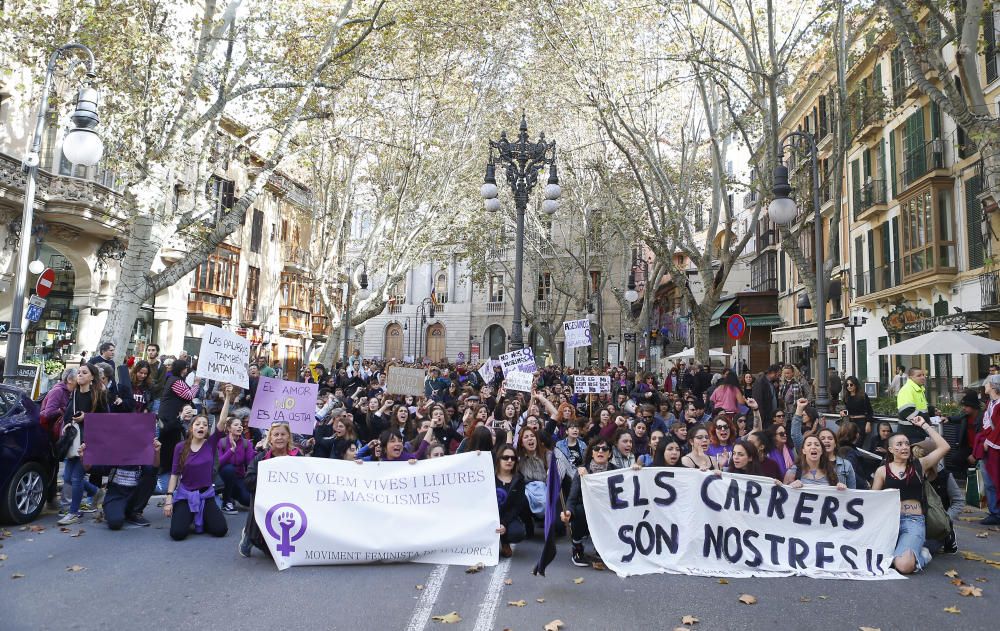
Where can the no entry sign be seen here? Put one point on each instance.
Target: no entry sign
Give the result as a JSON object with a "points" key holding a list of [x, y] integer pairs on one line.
{"points": [[45, 281], [735, 326]]}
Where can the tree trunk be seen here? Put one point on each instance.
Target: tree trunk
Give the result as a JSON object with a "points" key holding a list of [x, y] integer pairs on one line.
{"points": [[700, 326]]}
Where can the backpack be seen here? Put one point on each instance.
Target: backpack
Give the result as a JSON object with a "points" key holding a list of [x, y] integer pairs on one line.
{"points": [[936, 520]]}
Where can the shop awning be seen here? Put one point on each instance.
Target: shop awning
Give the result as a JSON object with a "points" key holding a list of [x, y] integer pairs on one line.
{"points": [[805, 334], [721, 309], [764, 320]]}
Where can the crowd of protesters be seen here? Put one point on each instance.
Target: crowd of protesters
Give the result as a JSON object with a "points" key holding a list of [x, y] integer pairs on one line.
{"points": [[762, 424]]}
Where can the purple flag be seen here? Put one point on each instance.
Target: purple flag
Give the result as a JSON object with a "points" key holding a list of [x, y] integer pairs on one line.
{"points": [[118, 439], [551, 516]]}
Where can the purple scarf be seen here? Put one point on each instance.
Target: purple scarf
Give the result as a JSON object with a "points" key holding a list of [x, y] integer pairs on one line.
{"points": [[196, 502]]}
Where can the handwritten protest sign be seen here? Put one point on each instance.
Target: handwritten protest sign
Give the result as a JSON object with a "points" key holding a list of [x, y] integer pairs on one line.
{"points": [[405, 381], [577, 333], [486, 370], [224, 357], [319, 511], [119, 439], [522, 359], [289, 401], [684, 521], [518, 380], [592, 384]]}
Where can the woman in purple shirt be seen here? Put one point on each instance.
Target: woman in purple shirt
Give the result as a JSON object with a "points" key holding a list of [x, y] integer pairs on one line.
{"points": [[190, 484]]}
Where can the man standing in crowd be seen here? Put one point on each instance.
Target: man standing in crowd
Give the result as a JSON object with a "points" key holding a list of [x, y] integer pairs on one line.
{"points": [[793, 387], [897, 382], [766, 394], [913, 393]]}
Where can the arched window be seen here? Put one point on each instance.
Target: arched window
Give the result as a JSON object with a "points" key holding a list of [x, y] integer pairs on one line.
{"points": [[441, 287]]}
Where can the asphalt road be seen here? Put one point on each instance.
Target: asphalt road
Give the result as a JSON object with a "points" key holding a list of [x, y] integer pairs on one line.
{"points": [[141, 579]]}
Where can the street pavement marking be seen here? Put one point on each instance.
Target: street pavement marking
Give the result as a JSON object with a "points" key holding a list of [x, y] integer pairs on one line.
{"points": [[488, 610], [422, 612]]}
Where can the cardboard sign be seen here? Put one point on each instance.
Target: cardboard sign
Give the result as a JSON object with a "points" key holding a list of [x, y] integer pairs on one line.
{"points": [[592, 384], [518, 380], [27, 379], [405, 381], [289, 401], [119, 439], [224, 357], [486, 370], [522, 360], [577, 333]]}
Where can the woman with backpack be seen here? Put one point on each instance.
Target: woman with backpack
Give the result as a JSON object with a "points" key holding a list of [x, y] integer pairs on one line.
{"points": [[89, 396], [906, 473]]}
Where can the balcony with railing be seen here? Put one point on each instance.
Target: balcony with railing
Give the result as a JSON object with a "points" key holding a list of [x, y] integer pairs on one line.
{"points": [[293, 321], [542, 306], [395, 303], [494, 306], [250, 314], [295, 257], [881, 278], [871, 196], [922, 160], [989, 290], [319, 325], [750, 198], [498, 254], [869, 116], [209, 306]]}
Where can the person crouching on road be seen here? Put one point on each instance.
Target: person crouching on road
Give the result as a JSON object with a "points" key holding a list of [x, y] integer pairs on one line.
{"points": [[512, 501], [190, 485], [277, 444], [596, 460], [129, 490], [235, 455]]}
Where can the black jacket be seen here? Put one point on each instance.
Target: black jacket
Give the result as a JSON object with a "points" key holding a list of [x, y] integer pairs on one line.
{"points": [[574, 502], [766, 397], [517, 502]]}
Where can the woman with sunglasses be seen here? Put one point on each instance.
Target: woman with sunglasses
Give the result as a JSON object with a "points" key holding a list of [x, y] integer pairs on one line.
{"points": [[721, 438], [278, 445], [858, 405], [780, 452], [513, 504], [699, 458], [596, 460]]}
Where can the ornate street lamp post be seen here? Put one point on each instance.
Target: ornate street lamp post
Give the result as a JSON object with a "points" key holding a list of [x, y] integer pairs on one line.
{"points": [[522, 160]]}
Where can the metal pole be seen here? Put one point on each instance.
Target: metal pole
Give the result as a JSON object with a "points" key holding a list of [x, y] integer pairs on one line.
{"points": [[347, 314], [854, 355], [521, 203], [15, 337], [822, 391]]}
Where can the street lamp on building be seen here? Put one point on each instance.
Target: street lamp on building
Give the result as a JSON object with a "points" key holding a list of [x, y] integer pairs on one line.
{"points": [[632, 296], [782, 210], [363, 294], [83, 146], [424, 310], [522, 160]]}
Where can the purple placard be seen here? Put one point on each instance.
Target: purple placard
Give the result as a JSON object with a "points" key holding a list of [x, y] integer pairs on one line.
{"points": [[118, 439], [289, 401]]}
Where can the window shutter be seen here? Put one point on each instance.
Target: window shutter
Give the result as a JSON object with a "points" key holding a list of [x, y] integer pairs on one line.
{"points": [[973, 187], [992, 52]]}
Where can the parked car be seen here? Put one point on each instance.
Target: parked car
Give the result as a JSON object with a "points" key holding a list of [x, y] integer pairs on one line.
{"points": [[26, 461]]}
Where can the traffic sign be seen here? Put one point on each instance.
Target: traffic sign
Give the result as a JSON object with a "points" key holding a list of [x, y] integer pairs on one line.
{"points": [[45, 281], [37, 301], [4, 327], [735, 326], [34, 313]]}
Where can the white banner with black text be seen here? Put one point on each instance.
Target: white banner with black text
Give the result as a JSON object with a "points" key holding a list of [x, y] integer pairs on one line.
{"points": [[316, 511], [684, 521]]}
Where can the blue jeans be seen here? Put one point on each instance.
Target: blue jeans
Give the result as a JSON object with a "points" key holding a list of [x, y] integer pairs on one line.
{"points": [[235, 488], [76, 474], [912, 535], [992, 503]]}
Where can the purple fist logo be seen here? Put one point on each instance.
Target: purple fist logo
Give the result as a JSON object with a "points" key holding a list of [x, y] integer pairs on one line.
{"points": [[287, 517]]}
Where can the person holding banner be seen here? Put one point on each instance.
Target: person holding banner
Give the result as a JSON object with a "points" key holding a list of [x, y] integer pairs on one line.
{"points": [[191, 489], [596, 460], [906, 473], [129, 490], [392, 447], [511, 500], [698, 458], [667, 453], [815, 467], [235, 455], [745, 459], [279, 441], [845, 470]]}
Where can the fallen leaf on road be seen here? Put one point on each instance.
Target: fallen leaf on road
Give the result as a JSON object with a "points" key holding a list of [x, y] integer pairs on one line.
{"points": [[982, 535], [578, 580], [723, 581], [78, 533], [555, 625], [869, 629], [418, 587], [805, 599], [952, 609], [478, 567], [747, 599], [823, 597], [972, 556], [64, 529], [517, 603], [37, 528], [597, 565], [539, 600], [75, 568], [508, 581], [979, 579], [3, 557], [957, 581], [4, 533], [951, 573], [23, 528], [689, 620], [968, 518], [448, 618], [17, 575], [969, 590]]}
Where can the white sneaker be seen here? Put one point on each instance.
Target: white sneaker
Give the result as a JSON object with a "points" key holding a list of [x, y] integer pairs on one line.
{"points": [[68, 519], [925, 556]]}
